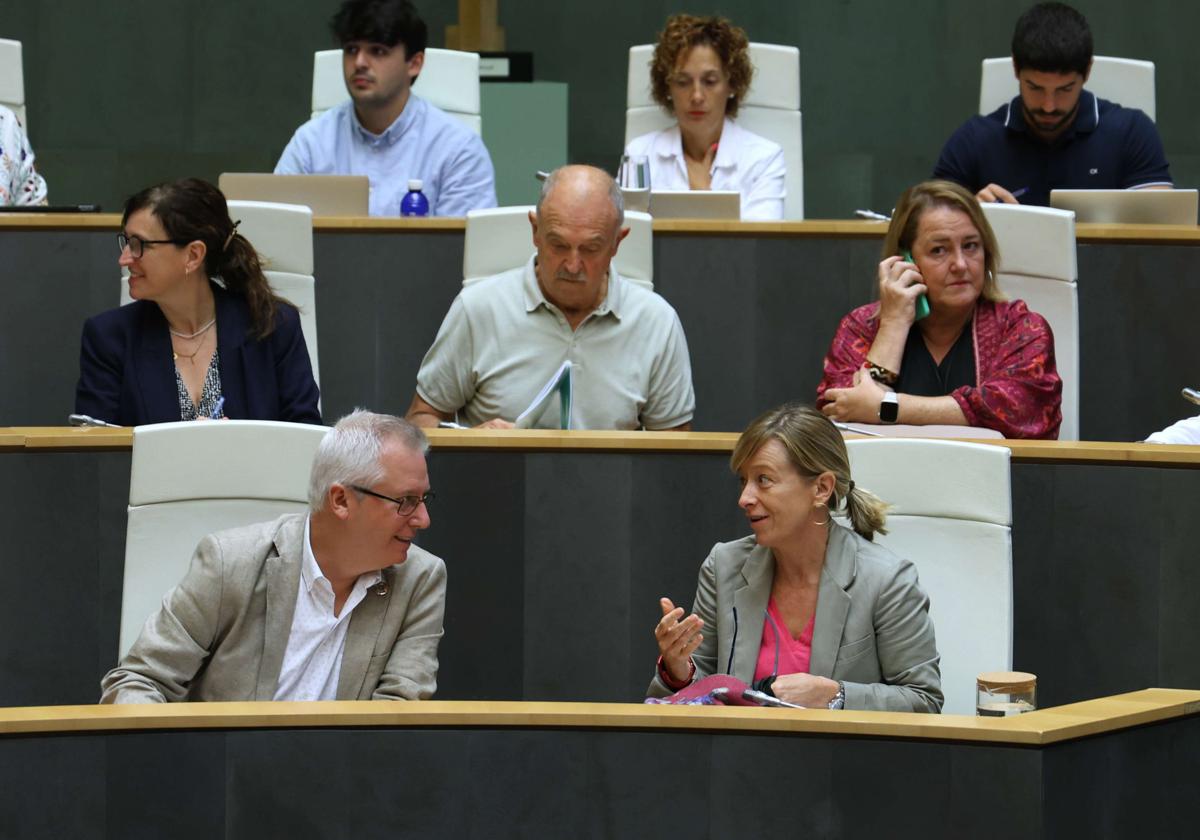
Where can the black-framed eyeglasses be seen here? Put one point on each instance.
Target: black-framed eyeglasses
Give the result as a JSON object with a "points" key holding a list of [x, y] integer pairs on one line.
{"points": [[405, 505], [137, 245]]}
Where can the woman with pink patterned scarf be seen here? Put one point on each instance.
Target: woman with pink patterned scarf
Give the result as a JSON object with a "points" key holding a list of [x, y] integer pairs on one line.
{"points": [[975, 359]]}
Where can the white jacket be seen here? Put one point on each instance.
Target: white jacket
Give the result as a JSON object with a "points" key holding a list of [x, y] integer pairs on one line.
{"points": [[745, 162]]}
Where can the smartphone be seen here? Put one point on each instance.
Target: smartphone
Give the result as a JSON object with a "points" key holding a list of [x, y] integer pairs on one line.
{"points": [[922, 301], [1192, 395]]}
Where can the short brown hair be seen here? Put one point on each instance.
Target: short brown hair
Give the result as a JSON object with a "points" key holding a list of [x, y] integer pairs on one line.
{"points": [[682, 33], [913, 203], [814, 445]]}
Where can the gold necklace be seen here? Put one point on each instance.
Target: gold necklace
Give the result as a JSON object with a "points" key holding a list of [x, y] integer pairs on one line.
{"points": [[176, 355]]}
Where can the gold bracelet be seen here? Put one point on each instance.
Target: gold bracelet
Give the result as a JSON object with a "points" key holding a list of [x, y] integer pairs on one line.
{"points": [[881, 374]]}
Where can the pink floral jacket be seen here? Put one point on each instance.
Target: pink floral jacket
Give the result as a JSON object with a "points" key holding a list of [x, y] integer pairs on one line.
{"points": [[1017, 389]]}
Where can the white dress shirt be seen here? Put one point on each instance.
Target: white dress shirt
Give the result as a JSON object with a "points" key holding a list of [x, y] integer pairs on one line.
{"points": [[312, 661], [745, 162]]}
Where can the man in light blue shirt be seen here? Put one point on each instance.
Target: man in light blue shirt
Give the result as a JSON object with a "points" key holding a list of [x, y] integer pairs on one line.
{"points": [[385, 131]]}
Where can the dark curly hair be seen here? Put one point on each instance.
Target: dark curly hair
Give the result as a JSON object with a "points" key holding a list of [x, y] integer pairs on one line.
{"points": [[682, 33], [191, 209]]}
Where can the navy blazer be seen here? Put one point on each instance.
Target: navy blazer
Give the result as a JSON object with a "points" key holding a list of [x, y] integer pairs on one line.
{"points": [[127, 376]]}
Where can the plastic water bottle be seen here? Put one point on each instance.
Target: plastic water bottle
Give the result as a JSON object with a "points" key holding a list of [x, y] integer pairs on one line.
{"points": [[414, 202]]}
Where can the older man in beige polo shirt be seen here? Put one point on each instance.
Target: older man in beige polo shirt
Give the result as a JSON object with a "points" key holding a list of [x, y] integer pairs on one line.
{"points": [[504, 337]]}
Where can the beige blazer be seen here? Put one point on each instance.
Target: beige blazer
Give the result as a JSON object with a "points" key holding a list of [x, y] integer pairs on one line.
{"points": [[872, 629], [222, 632]]}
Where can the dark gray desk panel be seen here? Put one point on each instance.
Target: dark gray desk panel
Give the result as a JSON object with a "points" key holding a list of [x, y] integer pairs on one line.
{"points": [[1105, 577], [759, 313], [592, 784], [556, 562], [53, 281], [380, 301], [62, 555], [1139, 328]]}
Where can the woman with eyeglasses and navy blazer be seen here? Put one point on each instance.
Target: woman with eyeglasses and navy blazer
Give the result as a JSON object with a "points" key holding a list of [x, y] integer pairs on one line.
{"points": [[205, 336]]}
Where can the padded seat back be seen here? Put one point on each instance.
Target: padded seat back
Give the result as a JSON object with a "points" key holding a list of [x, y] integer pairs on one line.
{"points": [[952, 517], [449, 79], [499, 239], [188, 480], [1126, 81], [12, 80], [1038, 265]]}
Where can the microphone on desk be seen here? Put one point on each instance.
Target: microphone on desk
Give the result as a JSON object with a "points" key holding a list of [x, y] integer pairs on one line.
{"points": [[85, 420]]}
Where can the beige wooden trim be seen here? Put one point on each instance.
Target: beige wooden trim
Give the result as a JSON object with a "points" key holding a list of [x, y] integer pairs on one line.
{"points": [[835, 228], [55, 438], [60, 221], [1041, 728], [386, 224], [1151, 234]]}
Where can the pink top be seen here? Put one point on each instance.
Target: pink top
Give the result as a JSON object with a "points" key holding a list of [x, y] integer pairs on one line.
{"points": [[794, 654]]}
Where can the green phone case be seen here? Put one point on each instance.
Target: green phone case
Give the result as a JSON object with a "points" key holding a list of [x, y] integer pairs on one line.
{"points": [[922, 301]]}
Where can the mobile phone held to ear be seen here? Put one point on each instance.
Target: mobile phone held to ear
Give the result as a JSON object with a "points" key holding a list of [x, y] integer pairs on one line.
{"points": [[922, 301]]}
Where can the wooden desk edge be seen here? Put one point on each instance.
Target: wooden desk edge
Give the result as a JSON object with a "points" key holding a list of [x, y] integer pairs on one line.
{"points": [[842, 228], [1042, 728], [68, 439]]}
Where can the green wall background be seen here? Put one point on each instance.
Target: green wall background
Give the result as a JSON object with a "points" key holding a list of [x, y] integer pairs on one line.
{"points": [[129, 92]]}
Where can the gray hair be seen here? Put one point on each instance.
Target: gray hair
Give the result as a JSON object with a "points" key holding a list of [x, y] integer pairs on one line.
{"points": [[350, 452], [614, 192]]}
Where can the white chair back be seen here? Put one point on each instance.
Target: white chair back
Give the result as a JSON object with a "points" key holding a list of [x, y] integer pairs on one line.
{"points": [[952, 517], [771, 109], [1126, 81], [188, 480], [1038, 266], [449, 79], [12, 80], [282, 235], [499, 239]]}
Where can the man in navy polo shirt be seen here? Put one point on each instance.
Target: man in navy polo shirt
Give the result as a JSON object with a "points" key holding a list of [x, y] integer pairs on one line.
{"points": [[1055, 134]]}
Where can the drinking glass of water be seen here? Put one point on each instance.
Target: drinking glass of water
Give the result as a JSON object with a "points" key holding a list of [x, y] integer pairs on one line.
{"points": [[633, 177]]}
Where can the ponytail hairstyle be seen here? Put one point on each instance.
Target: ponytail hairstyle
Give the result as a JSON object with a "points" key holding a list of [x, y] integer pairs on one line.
{"points": [[194, 210], [815, 446]]}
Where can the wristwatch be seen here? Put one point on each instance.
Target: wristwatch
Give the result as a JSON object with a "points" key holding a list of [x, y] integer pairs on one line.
{"points": [[889, 408], [839, 699]]}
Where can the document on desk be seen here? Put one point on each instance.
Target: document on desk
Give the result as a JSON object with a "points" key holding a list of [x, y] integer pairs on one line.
{"points": [[559, 384]]}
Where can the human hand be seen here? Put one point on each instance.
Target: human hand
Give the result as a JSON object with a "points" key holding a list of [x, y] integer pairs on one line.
{"points": [[496, 423], [677, 638], [995, 194], [805, 690], [857, 404], [900, 284]]}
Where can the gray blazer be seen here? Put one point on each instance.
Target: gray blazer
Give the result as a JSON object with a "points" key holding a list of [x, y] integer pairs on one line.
{"points": [[222, 632], [872, 629]]}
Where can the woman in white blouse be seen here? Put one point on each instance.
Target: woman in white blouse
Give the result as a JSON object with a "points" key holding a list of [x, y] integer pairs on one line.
{"points": [[699, 74]]}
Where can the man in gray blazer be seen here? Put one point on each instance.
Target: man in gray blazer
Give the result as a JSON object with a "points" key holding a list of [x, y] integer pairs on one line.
{"points": [[334, 604]]}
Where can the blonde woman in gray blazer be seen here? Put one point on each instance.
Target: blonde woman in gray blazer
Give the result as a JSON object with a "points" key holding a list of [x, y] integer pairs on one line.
{"points": [[872, 641]]}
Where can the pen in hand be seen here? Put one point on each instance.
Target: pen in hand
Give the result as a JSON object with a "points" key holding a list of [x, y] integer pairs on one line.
{"points": [[217, 409]]}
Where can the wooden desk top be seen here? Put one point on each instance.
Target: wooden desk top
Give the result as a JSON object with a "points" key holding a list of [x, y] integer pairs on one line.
{"points": [[1036, 729], [68, 439], [827, 228]]}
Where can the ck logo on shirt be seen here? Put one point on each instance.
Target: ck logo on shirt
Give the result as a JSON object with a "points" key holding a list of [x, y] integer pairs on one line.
{"points": [[1093, 171]]}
